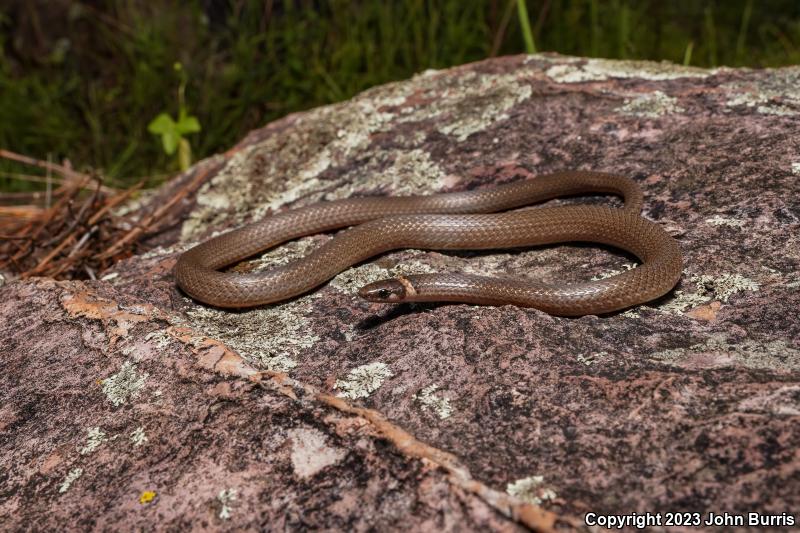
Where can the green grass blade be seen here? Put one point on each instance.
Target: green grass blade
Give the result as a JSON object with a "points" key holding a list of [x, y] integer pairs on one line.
{"points": [[525, 26]]}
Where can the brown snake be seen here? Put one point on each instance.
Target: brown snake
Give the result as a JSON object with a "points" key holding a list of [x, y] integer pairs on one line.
{"points": [[441, 222]]}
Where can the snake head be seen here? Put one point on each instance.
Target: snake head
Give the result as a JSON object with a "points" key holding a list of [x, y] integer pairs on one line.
{"points": [[385, 291]]}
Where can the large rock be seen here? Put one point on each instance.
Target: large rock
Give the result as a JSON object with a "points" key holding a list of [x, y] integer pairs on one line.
{"points": [[125, 402]]}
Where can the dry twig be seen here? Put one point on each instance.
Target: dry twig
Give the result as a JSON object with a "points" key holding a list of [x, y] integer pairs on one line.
{"points": [[77, 234]]}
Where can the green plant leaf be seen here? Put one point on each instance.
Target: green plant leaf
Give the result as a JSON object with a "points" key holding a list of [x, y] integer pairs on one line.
{"points": [[188, 124], [170, 141], [161, 124], [164, 125], [525, 26]]}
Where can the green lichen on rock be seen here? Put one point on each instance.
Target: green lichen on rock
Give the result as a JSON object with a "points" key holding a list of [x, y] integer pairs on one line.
{"points": [[480, 101], [354, 278], [270, 337], [682, 301], [72, 476], [94, 439], [439, 405], [125, 384], [782, 401], [652, 105], [286, 168], [725, 285], [603, 69], [226, 498], [614, 272], [407, 171], [161, 338], [719, 220], [592, 358], [363, 380], [138, 437], [720, 287], [531, 490], [776, 94], [718, 350]]}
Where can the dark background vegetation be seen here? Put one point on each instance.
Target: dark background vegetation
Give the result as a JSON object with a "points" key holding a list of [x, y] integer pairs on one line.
{"points": [[83, 79]]}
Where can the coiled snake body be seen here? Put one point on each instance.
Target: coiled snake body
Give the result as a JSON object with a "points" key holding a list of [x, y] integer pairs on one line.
{"points": [[447, 221]]}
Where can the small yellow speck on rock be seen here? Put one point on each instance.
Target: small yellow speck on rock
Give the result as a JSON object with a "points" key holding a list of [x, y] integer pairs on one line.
{"points": [[146, 497]]}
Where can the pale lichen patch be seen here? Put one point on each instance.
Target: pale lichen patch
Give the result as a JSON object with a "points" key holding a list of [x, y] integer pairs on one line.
{"points": [[124, 385], [349, 332], [162, 251], [796, 168], [363, 380], [71, 477], [213, 198], [531, 490], [725, 285], [488, 99], [270, 337], [278, 363], [776, 94], [591, 358], [783, 401], [778, 110], [603, 69], [161, 338], [615, 272], [311, 451], [406, 172], [411, 172], [353, 279], [719, 220], [683, 301], [426, 73], [95, 438], [429, 400], [412, 266], [744, 99], [226, 497], [286, 167], [569, 74], [652, 105], [138, 437], [550, 57], [717, 350], [285, 254], [709, 288]]}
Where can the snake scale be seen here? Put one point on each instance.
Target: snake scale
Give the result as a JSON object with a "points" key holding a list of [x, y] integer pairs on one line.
{"points": [[472, 220]]}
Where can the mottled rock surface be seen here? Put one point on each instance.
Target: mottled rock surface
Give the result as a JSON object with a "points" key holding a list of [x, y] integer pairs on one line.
{"points": [[125, 402]]}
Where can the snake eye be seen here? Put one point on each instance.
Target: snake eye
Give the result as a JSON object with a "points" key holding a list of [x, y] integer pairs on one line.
{"points": [[385, 291]]}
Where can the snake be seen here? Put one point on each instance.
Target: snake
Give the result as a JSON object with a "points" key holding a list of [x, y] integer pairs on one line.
{"points": [[490, 218]]}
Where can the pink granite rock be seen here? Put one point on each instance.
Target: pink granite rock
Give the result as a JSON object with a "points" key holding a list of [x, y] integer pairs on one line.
{"points": [[126, 404]]}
